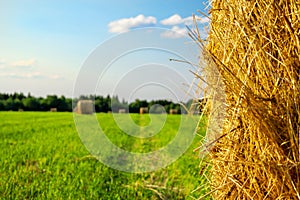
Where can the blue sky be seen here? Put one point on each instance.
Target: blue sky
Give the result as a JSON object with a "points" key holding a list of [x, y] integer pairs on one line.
{"points": [[44, 44]]}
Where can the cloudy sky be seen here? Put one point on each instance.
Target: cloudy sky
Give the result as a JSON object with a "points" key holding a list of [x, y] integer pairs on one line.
{"points": [[44, 44]]}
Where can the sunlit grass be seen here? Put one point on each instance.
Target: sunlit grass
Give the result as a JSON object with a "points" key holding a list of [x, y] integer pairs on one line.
{"points": [[42, 157]]}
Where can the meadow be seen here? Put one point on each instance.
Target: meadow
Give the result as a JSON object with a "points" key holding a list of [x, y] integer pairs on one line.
{"points": [[42, 157]]}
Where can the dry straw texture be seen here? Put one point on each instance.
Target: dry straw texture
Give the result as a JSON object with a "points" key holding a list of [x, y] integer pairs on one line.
{"points": [[255, 45], [85, 107]]}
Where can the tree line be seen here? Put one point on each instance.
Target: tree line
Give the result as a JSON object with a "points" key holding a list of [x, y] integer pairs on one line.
{"points": [[19, 101]]}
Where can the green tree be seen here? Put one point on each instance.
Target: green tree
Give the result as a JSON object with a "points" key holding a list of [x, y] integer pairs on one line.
{"points": [[31, 104], [9, 104]]}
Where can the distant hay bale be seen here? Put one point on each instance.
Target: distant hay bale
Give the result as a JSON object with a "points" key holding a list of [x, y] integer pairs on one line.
{"points": [[173, 111], [143, 110], [21, 110], [85, 107], [255, 45], [122, 110], [53, 109]]}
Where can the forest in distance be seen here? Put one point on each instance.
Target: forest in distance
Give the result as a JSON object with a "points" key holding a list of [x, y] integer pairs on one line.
{"points": [[21, 102]]}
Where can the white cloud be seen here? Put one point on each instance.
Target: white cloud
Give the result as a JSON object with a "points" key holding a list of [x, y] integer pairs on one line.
{"points": [[18, 64], [173, 20], [2, 64], [175, 32], [203, 20], [2, 61], [177, 19], [125, 24], [31, 75], [24, 63], [55, 76], [23, 69]]}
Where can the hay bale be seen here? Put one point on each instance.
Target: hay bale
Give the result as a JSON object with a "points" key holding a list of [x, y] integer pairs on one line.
{"points": [[144, 110], [122, 110], [21, 110], [85, 107], [255, 45], [53, 109], [173, 111]]}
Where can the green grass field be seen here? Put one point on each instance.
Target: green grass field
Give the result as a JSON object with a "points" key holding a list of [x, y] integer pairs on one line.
{"points": [[42, 157]]}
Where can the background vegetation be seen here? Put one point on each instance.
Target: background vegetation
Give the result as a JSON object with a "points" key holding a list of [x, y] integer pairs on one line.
{"points": [[17, 101]]}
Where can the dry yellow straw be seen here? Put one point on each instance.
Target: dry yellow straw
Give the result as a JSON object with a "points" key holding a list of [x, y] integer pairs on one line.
{"points": [[255, 45]]}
